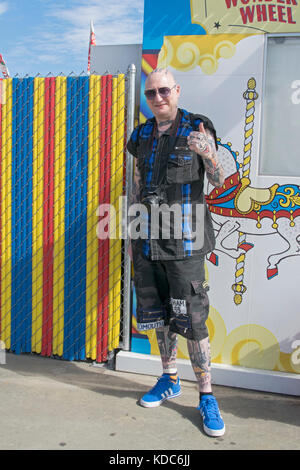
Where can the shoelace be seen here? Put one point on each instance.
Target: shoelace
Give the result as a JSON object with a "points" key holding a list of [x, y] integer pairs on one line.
{"points": [[159, 382], [210, 408]]}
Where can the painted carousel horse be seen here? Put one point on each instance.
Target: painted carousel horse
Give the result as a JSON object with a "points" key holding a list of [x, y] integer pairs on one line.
{"points": [[237, 207]]}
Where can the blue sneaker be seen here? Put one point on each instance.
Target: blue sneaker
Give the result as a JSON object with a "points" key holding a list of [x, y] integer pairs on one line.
{"points": [[213, 423], [164, 389]]}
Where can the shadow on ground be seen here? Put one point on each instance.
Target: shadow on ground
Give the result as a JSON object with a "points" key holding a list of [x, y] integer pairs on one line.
{"points": [[241, 403]]}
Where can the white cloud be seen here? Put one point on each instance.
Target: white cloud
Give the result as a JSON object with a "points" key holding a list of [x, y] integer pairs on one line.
{"points": [[3, 7], [62, 39], [115, 22]]}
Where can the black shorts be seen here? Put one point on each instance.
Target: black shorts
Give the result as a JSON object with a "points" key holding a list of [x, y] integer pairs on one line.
{"points": [[172, 292]]}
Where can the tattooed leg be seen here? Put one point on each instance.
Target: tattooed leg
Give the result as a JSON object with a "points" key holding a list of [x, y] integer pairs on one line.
{"points": [[167, 343], [199, 352]]}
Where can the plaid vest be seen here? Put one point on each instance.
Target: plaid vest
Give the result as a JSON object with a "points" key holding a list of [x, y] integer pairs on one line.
{"points": [[168, 164]]}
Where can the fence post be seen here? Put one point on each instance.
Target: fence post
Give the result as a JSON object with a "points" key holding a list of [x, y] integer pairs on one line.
{"points": [[129, 173]]}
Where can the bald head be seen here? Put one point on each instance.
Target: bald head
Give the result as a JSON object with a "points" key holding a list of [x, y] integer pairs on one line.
{"points": [[163, 72]]}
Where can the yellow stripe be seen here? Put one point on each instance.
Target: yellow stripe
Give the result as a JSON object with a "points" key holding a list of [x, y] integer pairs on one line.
{"points": [[248, 133], [112, 241], [37, 215], [146, 67], [6, 183], [59, 214], [118, 194], [92, 204]]}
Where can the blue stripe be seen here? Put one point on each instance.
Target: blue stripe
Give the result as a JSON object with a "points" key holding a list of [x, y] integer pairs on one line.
{"points": [[226, 193], [228, 205], [186, 222], [22, 146], [67, 352], [76, 217], [150, 164]]}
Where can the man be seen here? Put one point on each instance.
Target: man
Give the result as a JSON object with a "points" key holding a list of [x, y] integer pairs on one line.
{"points": [[173, 150]]}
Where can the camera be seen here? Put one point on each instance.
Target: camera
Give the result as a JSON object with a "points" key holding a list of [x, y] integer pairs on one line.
{"points": [[153, 196]]}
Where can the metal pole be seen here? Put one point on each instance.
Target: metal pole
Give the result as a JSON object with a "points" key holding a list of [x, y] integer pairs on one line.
{"points": [[129, 177]]}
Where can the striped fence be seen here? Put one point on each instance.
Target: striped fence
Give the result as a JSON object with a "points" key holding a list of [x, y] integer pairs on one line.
{"points": [[62, 143]]}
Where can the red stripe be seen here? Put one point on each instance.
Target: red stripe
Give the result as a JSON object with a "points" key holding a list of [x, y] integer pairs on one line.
{"points": [[51, 210], [107, 200], [226, 212], [215, 196], [48, 214], [104, 198], [151, 59], [101, 200]]}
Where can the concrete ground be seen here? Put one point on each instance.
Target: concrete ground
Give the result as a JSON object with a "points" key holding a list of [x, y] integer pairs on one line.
{"points": [[53, 404]]}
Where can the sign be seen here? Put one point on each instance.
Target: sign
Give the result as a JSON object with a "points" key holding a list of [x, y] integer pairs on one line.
{"points": [[246, 16]]}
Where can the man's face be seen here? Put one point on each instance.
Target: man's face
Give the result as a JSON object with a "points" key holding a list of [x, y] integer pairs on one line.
{"points": [[163, 108]]}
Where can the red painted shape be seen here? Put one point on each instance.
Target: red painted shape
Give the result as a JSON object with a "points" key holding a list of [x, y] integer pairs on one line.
{"points": [[48, 216], [246, 246], [214, 259], [272, 272], [151, 59]]}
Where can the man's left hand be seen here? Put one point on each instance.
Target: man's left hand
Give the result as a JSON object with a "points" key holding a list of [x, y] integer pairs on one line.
{"points": [[199, 142]]}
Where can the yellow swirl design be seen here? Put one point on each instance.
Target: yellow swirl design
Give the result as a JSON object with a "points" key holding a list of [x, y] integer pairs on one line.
{"points": [[251, 346], [187, 52], [188, 55]]}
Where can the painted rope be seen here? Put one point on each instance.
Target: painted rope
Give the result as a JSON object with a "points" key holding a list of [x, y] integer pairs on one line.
{"points": [[61, 155]]}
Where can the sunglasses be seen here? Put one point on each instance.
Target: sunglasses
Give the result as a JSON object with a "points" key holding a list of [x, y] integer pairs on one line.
{"points": [[164, 92]]}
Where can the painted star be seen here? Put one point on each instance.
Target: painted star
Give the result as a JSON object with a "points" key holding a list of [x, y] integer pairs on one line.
{"points": [[217, 25]]}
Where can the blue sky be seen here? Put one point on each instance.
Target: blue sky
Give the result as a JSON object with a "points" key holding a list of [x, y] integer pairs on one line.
{"points": [[52, 36]]}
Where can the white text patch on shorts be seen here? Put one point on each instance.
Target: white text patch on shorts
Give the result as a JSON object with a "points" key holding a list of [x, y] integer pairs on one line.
{"points": [[178, 306]]}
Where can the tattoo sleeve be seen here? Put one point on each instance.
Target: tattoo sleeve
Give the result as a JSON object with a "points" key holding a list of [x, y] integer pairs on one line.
{"points": [[214, 169], [167, 343], [199, 352]]}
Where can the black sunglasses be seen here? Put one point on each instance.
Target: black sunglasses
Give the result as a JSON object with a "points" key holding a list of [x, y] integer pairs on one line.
{"points": [[164, 92]]}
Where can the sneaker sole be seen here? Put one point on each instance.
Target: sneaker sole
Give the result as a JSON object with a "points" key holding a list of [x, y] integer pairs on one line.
{"points": [[154, 404], [214, 432]]}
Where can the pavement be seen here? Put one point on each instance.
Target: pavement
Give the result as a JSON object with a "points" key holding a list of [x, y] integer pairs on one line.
{"points": [[51, 404]]}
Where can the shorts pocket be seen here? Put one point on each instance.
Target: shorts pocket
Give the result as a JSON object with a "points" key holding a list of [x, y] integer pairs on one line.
{"points": [[150, 316], [199, 287], [150, 319], [200, 304], [180, 318], [183, 322]]}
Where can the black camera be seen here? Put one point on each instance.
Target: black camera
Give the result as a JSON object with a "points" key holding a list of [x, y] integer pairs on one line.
{"points": [[153, 196]]}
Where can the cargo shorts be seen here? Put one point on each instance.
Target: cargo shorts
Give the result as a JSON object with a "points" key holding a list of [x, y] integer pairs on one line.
{"points": [[172, 292]]}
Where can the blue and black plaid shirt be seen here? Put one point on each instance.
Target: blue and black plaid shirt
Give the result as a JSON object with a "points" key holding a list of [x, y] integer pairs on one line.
{"points": [[167, 163]]}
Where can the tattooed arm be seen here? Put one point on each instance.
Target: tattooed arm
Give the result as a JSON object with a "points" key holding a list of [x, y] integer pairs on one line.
{"points": [[203, 143]]}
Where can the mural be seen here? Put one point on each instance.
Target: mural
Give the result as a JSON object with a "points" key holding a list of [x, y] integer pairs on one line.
{"points": [[231, 16], [254, 302], [265, 210]]}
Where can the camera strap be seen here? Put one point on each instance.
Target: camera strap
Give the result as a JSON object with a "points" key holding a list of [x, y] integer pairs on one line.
{"points": [[159, 168], [160, 164]]}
